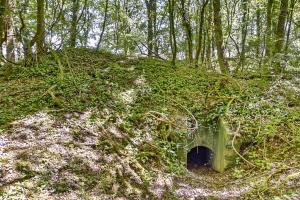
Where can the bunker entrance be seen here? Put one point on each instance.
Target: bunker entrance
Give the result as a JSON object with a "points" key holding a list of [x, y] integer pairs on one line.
{"points": [[199, 157]]}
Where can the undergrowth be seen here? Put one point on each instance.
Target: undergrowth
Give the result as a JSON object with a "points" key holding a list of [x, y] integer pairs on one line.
{"points": [[77, 80]]}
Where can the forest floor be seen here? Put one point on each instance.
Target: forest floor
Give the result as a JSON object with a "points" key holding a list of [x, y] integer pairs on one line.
{"points": [[81, 124]]}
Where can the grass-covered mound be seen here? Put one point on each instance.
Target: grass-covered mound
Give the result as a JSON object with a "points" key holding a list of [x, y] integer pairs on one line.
{"points": [[75, 80], [137, 111]]}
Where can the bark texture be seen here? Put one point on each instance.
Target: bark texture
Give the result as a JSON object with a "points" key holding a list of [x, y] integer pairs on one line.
{"points": [[40, 30], [219, 37]]}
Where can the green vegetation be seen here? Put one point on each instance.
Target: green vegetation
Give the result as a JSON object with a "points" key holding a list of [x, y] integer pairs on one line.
{"points": [[101, 99], [78, 80], [75, 80]]}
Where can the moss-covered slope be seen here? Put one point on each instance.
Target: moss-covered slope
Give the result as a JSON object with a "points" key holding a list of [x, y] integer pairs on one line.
{"points": [[113, 123]]}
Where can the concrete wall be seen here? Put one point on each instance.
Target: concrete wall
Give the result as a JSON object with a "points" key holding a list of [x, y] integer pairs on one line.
{"points": [[216, 137]]}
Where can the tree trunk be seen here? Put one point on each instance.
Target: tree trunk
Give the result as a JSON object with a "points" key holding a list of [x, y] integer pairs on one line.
{"points": [[269, 27], [156, 48], [200, 31], [219, 37], [293, 2], [40, 29], [150, 31], [258, 30], [203, 46], [23, 34], [188, 30], [209, 32], [208, 50], [173, 42], [3, 7], [10, 39], [244, 32], [117, 24], [73, 28], [280, 31], [10, 42], [103, 25]]}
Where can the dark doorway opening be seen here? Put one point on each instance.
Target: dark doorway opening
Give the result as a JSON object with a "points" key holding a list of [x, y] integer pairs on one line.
{"points": [[199, 157]]}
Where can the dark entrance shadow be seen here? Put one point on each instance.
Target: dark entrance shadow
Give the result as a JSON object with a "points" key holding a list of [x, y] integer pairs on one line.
{"points": [[199, 157]]}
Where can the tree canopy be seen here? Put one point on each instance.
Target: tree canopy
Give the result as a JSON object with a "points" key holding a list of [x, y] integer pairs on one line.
{"points": [[229, 35]]}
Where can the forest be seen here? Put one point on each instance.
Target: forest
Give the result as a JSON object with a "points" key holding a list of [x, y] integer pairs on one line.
{"points": [[149, 99]]}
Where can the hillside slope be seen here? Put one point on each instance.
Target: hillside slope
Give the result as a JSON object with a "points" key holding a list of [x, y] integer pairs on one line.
{"points": [[82, 124]]}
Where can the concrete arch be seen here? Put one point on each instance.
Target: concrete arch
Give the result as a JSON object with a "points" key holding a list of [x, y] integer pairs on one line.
{"points": [[216, 138]]}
